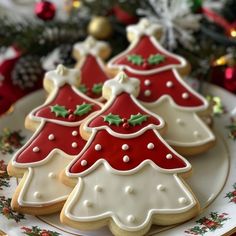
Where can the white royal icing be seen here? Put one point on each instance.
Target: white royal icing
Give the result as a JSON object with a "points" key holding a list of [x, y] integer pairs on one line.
{"points": [[121, 83], [128, 215], [35, 192], [62, 75], [144, 27], [185, 128], [90, 46]]}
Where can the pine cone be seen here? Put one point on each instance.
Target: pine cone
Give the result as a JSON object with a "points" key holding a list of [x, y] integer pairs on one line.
{"points": [[28, 72]]}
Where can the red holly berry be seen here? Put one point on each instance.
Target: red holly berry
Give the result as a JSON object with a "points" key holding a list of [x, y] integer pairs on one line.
{"points": [[70, 111], [233, 200], [125, 125], [234, 192], [71, 117], [45, 10], [145, 65]]}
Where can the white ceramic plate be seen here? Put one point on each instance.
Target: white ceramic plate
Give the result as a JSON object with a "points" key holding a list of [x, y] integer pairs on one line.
{"points": [[213, 181]]}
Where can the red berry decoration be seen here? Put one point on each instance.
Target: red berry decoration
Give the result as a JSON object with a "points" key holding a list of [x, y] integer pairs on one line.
{"points": [[71, 117], [145, 65], [125, 125], [45, 10]]}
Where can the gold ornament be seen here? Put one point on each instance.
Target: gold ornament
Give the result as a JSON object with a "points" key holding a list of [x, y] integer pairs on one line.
{"points": [[100, 27]]}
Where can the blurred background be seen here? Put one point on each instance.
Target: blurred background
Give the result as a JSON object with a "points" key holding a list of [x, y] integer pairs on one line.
{"points": [[35, 36]]}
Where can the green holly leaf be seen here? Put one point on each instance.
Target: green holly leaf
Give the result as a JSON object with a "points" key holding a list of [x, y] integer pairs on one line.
{"points": [[59, 111], [135, 59], [83, 109], [137, 119], [113, 119], [156, 59], [83, 89], [97, 88]]}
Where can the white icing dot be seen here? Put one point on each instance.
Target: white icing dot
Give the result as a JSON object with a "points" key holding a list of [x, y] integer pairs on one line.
{"points": [[98, 147], [74, 145], [52, 175], [130, 218], [74, 133], [179, 121], [84, 163], [185, 95], [160, 187], [87, 203], [126, 158], [147, 82], [182, 200], [125, 147], [150, 146], [196, 134], [36, 149], [129, 189], [147, 93], [169, 156], [98, 188], [169, 84], [51, 137], [37, 195]]}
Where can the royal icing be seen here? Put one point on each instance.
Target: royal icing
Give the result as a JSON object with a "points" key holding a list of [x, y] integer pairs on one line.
{"points": [[35, 192], [144, 27], [124, 200], [90, 46]]}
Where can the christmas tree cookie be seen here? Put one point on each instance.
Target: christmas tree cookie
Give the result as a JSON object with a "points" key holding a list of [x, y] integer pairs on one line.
{"points": [[127, 177], [54, 144], [163, 91], [89, 55]]}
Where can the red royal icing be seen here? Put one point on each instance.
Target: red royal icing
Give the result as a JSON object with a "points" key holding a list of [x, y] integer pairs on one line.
{"points": [[92, 73], [68, 98], [63, 140], [158, 88], [111, 151], [123, 106], [145, 48]]}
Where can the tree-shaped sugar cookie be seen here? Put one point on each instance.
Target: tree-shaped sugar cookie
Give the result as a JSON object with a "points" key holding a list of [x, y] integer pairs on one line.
{"points": [[55, 142], [128, 177], [89, 55], [163, 91]]}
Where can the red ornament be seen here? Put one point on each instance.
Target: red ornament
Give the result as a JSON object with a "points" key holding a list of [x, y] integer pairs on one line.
{"points": [[123, 16], [45, 10], [230, 79]]}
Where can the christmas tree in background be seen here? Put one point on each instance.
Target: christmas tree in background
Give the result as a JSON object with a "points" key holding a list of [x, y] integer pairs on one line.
{"points": [[89, 55], [111, 177], [53, 145], [163, 91]]}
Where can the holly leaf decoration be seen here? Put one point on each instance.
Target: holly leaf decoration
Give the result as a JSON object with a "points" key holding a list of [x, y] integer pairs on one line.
{"points": [[156, 59], [135, 59], [113, 119], [83, 89], [83, 109], [137, 119], [60, 111], [97, 88]]}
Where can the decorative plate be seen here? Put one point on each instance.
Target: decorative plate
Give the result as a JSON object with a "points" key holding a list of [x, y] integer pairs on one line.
{"points": [[213, 180]]}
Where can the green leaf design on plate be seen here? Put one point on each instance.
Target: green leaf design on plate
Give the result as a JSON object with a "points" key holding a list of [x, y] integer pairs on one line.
{"points": [[137, 119], [113, 119], [97, 88], [83, 89], [135, 59], [60, 111], [156, 59], [83, 109]]}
